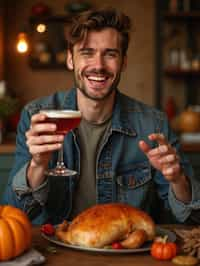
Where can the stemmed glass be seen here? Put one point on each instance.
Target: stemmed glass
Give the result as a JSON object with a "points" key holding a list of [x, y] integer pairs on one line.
{"points": [[65, 121]]}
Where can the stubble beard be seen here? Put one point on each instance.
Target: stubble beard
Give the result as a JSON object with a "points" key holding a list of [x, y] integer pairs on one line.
{"points": [[81, 86]]}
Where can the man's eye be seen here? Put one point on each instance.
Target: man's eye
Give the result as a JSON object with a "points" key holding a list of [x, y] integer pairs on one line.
{"points": [[111, 54], [86, 53]]}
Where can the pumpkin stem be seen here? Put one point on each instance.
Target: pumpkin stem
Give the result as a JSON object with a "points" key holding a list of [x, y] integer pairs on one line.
{"points": [[162, 239], [165, 238]]}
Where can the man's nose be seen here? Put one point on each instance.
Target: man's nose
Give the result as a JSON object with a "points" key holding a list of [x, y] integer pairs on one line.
{"points": [[99, 61]]}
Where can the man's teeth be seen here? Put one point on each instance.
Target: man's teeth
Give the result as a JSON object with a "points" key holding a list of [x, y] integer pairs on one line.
{"points": [[94, 78]]}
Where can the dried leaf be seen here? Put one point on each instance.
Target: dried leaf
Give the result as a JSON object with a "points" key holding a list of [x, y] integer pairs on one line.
{"points": [[51, 249]]}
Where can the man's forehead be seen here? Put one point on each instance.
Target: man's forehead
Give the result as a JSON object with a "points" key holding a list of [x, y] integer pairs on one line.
{"points": [[107, 36]]}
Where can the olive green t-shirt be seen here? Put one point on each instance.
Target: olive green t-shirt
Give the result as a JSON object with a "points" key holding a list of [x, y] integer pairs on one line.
{"points": [[91, 136]]}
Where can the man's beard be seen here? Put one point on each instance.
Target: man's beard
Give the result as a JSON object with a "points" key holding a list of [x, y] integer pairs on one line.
{"points": [[84, 90]]}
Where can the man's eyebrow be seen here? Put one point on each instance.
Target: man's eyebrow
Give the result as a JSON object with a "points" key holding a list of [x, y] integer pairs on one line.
{"points": [[85, 49], [113, 50]]}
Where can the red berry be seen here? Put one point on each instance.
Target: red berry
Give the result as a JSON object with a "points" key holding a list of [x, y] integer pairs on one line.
{"points": [[48, 229], [117, 245]]}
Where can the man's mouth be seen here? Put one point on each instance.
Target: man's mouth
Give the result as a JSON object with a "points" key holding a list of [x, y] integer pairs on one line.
{"points": [[97, 78], [97, 82]]}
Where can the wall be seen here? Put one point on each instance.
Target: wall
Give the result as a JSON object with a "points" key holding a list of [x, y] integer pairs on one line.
{"points": [[1, 44], [137, 81]]}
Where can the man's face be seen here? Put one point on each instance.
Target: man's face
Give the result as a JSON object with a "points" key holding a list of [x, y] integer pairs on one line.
{"points": [[97, 63]]}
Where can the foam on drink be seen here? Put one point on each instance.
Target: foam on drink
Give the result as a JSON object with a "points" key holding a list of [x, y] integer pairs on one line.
{"points": [[65, 120]]}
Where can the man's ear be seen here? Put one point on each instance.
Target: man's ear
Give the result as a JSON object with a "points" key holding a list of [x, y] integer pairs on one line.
{"points": [[69, 60], [124, 63]]}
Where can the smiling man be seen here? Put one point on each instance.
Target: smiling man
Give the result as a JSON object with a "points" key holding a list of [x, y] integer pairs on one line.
{"points": [[97, 62], [123, 150]]}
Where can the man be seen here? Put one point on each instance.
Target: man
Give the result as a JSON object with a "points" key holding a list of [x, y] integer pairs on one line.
{"points": [[123, 150]]}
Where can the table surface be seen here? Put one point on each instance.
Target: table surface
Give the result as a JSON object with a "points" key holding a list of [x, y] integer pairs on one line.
{"points": [[66, 256], [8, 146]]}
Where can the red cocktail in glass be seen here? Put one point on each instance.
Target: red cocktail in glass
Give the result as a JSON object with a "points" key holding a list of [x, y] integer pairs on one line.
{"points": [[65, 121]]}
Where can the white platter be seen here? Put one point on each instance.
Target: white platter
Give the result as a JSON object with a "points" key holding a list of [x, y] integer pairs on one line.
{"points": [[146, 247]]}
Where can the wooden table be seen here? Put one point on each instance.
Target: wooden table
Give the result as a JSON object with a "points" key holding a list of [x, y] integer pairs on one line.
{"points": [[8, 146], [68, 257]]}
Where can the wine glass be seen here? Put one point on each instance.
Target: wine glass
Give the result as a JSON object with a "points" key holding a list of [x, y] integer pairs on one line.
{"points": [[65, 121]]}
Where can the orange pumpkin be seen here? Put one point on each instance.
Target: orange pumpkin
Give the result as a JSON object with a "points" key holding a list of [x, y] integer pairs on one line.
{"points": [[163, 250], [189, 121], [15, 232]]}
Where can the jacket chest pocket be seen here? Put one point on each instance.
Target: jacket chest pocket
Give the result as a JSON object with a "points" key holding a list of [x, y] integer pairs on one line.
{"points": [[134, 183]]}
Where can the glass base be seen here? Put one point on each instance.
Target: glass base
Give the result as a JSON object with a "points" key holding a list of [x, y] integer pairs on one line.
{"points": [[60, 171]]}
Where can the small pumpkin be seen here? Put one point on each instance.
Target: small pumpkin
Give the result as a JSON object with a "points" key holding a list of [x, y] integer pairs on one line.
{"points": [[189, 121], [163, 250], [15, 232]]}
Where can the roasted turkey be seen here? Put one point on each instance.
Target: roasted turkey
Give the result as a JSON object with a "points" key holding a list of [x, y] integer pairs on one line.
{"points": [[101, 225]]}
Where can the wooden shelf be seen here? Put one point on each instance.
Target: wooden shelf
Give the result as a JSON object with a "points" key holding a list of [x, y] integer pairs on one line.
{"points": [[9, 143], [177, 72], [182, 16], [179, 29], [190, 147], [7, 147], [49, 19], [47, 44], [49, 66]]}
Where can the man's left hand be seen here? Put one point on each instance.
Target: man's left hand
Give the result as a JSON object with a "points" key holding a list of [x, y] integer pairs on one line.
{"points": [[164, 157]]}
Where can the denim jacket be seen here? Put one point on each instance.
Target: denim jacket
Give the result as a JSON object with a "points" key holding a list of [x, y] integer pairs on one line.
{"points": [[123, 172]]}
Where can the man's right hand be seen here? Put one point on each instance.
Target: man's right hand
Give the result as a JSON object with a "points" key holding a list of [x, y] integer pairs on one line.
{"points": [[41, 141]]}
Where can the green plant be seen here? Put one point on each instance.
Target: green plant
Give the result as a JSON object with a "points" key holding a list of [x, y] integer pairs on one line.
{"points": [[8, 106]]}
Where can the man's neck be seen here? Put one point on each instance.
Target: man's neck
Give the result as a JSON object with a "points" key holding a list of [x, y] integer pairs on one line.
{"points": [[95, 111]]}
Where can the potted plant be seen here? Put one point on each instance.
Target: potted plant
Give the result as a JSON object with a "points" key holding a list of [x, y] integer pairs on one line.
{"points": [[8, 107]]}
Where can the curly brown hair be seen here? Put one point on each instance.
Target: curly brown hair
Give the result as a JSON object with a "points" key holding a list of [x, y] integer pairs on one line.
{"points": [[78, 26]]}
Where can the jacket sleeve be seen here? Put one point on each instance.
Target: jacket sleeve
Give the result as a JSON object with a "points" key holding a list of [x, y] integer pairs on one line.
{"points": [[180, 210], [18, 193]]}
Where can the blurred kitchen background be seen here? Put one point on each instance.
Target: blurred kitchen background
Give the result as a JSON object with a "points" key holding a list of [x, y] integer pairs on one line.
{"points": [[163, 61]]}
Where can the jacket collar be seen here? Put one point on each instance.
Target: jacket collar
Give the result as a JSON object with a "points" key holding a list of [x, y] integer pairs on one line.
{"points": [[70, 100], [121, 119]]}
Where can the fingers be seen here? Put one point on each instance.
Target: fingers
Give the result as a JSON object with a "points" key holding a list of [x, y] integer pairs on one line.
{"points": [[44, 139], [159, 138], [39, 126], [38, 149], [171, 172], [171, 158], [163, 157], [43, 143], [39, 117], [170, 164], [41, 137], [144, 146], [163, 146], [160, 150]]}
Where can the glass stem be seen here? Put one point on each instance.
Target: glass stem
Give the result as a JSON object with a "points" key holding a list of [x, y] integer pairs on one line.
{"points": [[60, 162]]}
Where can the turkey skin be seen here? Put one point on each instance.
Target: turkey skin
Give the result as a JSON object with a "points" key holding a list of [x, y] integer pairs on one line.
{"points": [[104, 224]]}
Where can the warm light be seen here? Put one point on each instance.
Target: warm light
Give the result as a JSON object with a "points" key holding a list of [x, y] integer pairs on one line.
{"points": [[41, 28], [22, 44]]}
